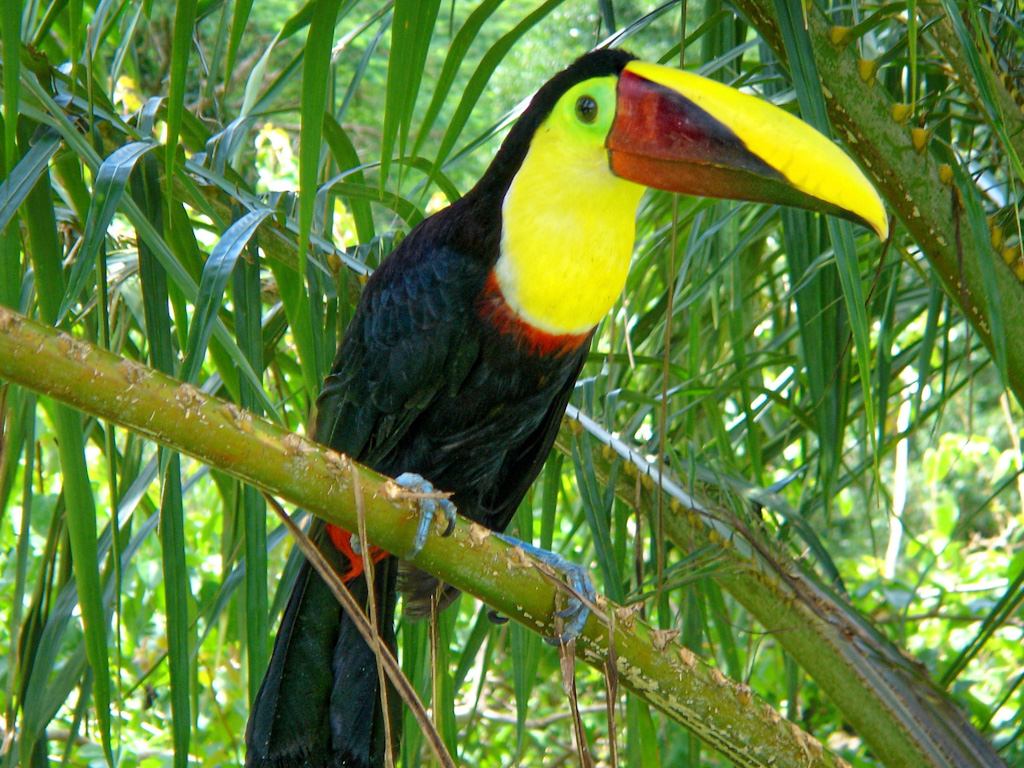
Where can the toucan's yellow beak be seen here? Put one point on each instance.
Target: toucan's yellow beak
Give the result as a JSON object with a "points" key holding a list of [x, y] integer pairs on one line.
{"points": [[684, 133]]}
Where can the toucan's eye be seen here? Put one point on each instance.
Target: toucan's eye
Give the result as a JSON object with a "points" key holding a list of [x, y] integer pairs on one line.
{"points": [[586, 109]]}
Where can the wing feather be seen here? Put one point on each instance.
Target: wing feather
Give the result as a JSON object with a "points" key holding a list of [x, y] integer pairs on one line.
{"points": [[411, 336]]}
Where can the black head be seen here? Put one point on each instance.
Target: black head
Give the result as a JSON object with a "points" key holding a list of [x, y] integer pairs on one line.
{"points": [[510, 156]]}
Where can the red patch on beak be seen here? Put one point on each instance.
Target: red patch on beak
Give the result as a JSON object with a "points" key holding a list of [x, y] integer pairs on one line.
{"points": [[662, 139]]}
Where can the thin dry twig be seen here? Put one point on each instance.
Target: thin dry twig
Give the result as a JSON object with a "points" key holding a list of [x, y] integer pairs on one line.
{"points": [[567, 659], [355, 613], [435, 660], [611, 687], [368, 573]]}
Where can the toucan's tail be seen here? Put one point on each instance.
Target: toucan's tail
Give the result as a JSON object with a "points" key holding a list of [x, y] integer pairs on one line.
{"points": [[319, 705]]}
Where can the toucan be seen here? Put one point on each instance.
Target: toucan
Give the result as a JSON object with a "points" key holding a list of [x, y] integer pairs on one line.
{"points": [[466, 343]]}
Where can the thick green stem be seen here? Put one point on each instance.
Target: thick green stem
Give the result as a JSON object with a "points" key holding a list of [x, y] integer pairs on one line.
{"points": [[888, 697], [726, 715]]}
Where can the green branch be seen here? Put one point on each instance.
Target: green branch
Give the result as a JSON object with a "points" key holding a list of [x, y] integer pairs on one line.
{"points": [[886, 695], [725, 715]]}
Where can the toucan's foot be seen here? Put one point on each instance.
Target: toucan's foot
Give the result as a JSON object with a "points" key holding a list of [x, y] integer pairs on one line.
{"points": [[576, 611], [352, 547], [429, 508]]}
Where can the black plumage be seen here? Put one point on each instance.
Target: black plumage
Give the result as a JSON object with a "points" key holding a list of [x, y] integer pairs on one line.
{"points": [[434, 376]]}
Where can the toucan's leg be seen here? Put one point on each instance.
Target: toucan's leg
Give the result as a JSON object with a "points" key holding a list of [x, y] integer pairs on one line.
{"points": [[576, 612], [429, 508]]}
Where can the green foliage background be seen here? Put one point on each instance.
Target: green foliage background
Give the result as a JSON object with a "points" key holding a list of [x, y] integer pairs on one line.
{"points": [[879, 448]]}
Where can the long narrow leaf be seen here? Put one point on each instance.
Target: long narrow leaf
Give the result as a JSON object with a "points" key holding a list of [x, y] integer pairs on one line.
{"points": [[109, 188], [23, 177], [456, 55], [216, 274], [315, 73], [10, 39], [181, 45], [478, 81], [412, 29]]}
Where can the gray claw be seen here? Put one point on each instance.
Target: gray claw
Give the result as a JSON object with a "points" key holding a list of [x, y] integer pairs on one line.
{"points": [[575, 612], [428, 509]]}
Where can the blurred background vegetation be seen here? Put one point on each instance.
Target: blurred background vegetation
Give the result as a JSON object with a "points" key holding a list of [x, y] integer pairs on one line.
{"points": [[851, 405]]}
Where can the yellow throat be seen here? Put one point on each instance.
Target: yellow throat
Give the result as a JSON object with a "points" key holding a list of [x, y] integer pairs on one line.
{"points": [[568, 223]]}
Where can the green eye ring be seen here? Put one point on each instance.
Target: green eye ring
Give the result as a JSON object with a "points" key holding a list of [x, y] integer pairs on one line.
{"points": [[586, 109]]}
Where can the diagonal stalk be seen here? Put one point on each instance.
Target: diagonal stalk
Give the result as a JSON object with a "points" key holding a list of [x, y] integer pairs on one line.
{"points": [[724, 714], [885, 694]]}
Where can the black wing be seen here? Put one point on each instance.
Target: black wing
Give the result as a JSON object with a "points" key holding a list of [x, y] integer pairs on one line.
{"points": [[411, 336]]}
